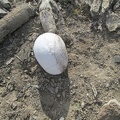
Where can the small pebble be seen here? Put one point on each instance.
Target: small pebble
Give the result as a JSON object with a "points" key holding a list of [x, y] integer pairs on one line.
{"points": [[8, 70], [9, 61], [82, 104], [14, 106], [62, 118], [10, 87], [26, 76], [116, 58], [58, 95], [8, 78]]}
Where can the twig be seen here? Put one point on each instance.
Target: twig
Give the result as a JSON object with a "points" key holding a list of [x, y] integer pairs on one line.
{"points": [[94, 90], [15, 19], [18, 58]]}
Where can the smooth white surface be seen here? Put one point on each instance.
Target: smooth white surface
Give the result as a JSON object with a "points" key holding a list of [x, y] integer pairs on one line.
{"points": [[50, 52]]}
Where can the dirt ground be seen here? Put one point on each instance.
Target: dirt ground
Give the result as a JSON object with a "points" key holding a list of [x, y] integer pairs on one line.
{"points": [[27, 92]]}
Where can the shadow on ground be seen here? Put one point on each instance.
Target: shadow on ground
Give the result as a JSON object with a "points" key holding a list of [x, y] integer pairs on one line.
{"points": [[54, 94], [12, 43]]}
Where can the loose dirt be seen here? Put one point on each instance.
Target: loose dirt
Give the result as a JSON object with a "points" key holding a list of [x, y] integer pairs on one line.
{"points": [[27, 92]]}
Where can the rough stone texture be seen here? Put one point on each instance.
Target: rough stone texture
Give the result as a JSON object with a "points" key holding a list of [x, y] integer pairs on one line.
{"points": [[112, 21], [106, 11], [110, 111], [5, 4], [105, 5], [95, 7], [117, 5]]}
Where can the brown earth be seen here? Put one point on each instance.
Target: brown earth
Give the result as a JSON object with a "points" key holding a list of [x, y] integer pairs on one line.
{"points": [[27, 92]]}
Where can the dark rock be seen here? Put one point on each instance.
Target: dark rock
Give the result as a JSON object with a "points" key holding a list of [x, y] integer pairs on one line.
{"points": [[1, 79]]}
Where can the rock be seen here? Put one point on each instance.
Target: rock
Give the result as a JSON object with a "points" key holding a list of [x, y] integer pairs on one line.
{"points": [[116, 58], [95, 8], [14, 105], [101, 6], [62, 118], [106, 5], [110, 111], [5, 4], [101, 13], [33, 69], [10, 86], [112, 21], [50, 52], [2, 13], [117, 5], [118, 32], [9, 61], [82, 104]]}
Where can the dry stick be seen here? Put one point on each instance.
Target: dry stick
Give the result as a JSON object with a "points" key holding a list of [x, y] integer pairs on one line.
{"points": [[15, 19], [94, 90]]}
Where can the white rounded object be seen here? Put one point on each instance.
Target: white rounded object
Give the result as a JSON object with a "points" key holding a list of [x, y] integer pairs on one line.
{"points": [[51, 53]]}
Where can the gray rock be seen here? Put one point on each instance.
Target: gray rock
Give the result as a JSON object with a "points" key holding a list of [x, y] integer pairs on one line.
{"points": [[106, 5], [112, 21], [116, 58], [110, 111], [118, 32], [5, 4], [101, 13], [2, 13], [95, 7]]}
